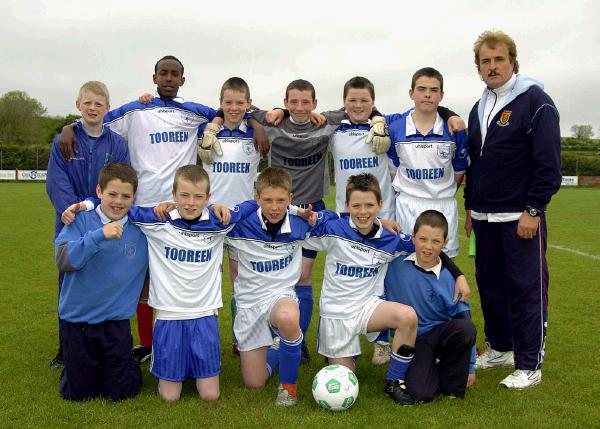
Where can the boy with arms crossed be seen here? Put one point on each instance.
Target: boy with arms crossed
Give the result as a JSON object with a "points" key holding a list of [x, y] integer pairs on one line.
{"points": [[268, 244], [358, 250], [430, 162], [444, 358], [70, 182], [105, 258]]}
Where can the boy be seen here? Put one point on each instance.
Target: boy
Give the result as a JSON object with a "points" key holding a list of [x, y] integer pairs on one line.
{"points": [[105, 258], [430, 162], [70, 182], [232, 173], [444, 358], [185, 253], [268, 244], [162, 136], [352, 156], [358, 250]]}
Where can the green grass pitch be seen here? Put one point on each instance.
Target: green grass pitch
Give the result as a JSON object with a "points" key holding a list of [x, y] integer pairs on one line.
{"points": [[568, 396]]}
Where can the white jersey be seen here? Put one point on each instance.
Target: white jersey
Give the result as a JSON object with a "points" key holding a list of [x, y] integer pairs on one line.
{"points": [[185, 261], [351, 155], [161, 137], [267, 265], [355, 267], [426, 165], [232, 175]]}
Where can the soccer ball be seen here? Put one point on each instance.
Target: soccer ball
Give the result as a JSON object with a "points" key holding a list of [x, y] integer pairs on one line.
{"points": [[335, 388]]}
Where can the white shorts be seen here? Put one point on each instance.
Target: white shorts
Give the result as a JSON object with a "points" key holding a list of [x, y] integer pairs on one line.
{"points": [[409, 208], [339, 338], [251, 326]]}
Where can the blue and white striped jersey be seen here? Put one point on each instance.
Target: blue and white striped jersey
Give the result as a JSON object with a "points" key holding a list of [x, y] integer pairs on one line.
{"points": [[351, 155], [232, 175], [355, 267], [426, 165], [268, 266], [161, 137], [185, 260]]}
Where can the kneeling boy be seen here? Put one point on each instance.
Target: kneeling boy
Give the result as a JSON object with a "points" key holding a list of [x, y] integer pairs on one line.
{"points": [[105, 258], [444, 358], [269, 244], [358, 251]]}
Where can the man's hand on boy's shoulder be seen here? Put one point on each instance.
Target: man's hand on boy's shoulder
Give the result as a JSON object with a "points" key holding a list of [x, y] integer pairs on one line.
{"points": [[145, 98], [68, 142], [68, 216], [456, 124], [113, 231]]}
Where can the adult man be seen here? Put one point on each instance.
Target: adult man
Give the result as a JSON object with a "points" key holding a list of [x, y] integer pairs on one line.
{"points": [[514, 147]]}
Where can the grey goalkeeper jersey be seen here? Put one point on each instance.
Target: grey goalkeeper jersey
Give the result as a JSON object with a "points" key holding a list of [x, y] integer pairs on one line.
{"points": [[301, 150]]}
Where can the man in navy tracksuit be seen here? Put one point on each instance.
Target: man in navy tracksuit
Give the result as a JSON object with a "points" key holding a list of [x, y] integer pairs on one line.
{"points": [[514, 148]]}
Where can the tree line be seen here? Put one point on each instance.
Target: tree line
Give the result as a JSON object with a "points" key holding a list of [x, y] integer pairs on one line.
{"points": [[26, 132]]}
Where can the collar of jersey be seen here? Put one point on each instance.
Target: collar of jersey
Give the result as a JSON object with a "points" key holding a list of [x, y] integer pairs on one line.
{"points": [[242, 127], [377, 222], [411, 129], [436, 269], [174, 214], [104, 219], [285, 226]]}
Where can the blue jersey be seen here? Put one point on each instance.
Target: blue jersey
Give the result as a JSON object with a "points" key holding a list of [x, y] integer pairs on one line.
{"points": [[69, 182], [103, 278]]}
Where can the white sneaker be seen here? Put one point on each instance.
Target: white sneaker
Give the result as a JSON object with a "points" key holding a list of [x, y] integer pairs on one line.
{"points": [[491, 358], [284, 398], [381, 353], [522, 379]]}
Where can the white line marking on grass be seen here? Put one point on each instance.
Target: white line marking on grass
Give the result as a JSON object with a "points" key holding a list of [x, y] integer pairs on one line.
{"points": [[553, 246], [577, 252]]}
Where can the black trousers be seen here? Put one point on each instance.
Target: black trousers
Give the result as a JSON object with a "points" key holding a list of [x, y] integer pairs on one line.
{"points": [[451, 343], [98, 361]]}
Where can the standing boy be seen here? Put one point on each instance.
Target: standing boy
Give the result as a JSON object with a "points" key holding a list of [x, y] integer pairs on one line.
{"points": [[444, 350], [105, 258], [268, 244], [76, 180], [233, 172], [430, 163]]}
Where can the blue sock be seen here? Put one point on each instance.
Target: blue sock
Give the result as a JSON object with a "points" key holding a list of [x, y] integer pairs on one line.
{"points": [[306, 302], [272, 360], [384, 336], [289, 360], [398, 367]]}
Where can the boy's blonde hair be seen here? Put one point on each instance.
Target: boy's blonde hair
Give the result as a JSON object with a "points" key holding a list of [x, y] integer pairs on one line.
{"points": [[95, 87], [274, 177], [191, 173]]}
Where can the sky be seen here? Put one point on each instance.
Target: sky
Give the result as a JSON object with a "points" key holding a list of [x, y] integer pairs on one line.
{"points": [[49, 48]]}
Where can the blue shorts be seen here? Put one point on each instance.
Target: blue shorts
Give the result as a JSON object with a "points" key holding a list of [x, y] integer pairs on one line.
{"points": [[316, 206], [186, 349]]}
